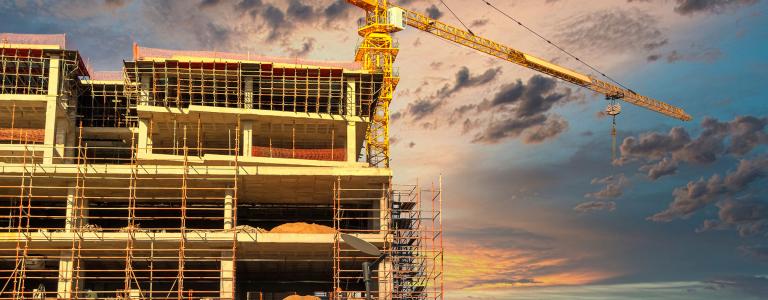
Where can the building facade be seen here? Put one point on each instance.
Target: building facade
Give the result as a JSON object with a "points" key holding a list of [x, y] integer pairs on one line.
{"points": [[199, 175]]}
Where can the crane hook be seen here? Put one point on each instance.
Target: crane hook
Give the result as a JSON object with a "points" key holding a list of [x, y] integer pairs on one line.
{"points": [[613, 109]]}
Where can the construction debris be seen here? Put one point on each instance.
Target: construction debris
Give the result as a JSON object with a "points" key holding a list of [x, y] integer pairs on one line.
{"points": [[249, 229]]}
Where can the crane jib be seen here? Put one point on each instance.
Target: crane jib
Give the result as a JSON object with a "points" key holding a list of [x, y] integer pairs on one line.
{"points": [[490, 47]]}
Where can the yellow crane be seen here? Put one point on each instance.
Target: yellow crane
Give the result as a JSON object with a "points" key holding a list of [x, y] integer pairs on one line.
{"points": [[378, 51]]}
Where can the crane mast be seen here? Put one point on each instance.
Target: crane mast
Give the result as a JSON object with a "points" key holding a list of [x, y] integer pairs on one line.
{"points": [[377, 53]]}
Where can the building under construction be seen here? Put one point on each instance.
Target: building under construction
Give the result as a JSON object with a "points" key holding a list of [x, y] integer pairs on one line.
{"points": [[200, 175]]}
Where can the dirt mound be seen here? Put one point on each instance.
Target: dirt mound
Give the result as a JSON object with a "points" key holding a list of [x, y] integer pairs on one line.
{"points": [[302, 227], [297, 297]]}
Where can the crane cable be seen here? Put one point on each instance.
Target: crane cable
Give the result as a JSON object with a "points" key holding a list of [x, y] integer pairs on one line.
{"points": [[457, 18], [553, 44]]}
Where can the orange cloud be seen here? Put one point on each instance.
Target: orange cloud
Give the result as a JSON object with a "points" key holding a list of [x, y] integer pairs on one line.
{"points": [[475, 267]]}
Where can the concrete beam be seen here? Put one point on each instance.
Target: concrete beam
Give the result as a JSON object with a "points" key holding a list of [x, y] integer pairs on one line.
{"points": [[147, 111], [194, 170]]}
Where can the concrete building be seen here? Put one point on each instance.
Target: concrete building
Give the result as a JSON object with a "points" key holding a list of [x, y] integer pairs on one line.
{"points": [[199, 175]]}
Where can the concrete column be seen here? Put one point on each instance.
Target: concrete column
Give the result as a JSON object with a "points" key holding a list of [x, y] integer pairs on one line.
{"points": [[248, 96], [66, 271], [145, 137], [71, 212], [351, 126], [247, 138], [54, 76], [229, 208], [351, 141], [66, 265], [384, 274], [144, 89], [62, 126], [227, 286], [226, 280], [70, 152], [50, 130], [54, 85], [351, 98]]}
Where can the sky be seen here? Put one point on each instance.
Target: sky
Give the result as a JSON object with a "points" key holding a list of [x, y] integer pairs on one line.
{"points": [[535, 206]]}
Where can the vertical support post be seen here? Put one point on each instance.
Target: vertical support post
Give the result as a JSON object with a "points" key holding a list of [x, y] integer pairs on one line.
{"points": [[50, 130], [145, 138], [247, 138], [351, 126], [248, 97], [226, 279], [54, 85], [66, 269], [351, 142], [54, 76], [66, 265], [228, 208], [71, 212], [144, 89], [62, 126], [226, 288], [383, 274]]}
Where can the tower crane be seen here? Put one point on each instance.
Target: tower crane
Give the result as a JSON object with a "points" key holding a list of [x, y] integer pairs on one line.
{"points": [[377, 53]]}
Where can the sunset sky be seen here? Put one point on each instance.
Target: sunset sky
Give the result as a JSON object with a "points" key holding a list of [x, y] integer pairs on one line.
{"points": [[534, 206]]}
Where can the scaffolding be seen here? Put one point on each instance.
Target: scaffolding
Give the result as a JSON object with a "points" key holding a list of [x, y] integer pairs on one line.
{"points": [[408, 225], [84, 236], [252, 85], [105, 104]]}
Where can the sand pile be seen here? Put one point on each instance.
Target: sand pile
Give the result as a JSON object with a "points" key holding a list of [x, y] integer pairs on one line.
{"points": [[302, 227], [297, 297]]}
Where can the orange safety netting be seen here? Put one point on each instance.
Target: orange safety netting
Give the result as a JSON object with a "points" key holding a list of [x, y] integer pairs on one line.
{"points": [[144, 52], [338, 154], [35, 39], [22, 135], [107, 75]]}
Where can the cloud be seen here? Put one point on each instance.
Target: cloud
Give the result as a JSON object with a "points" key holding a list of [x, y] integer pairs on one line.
{"points": [[748, 217], [534, 129], [751, 285], [662, 153], [689, 7], [613, 187], [760, 252], [497, 257], [433, 12], [615, 29], [664, 167], [697, 194], [595, 206], [423, 108], [336, 9], [466, 80], [523, 108], [307, 46]]}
